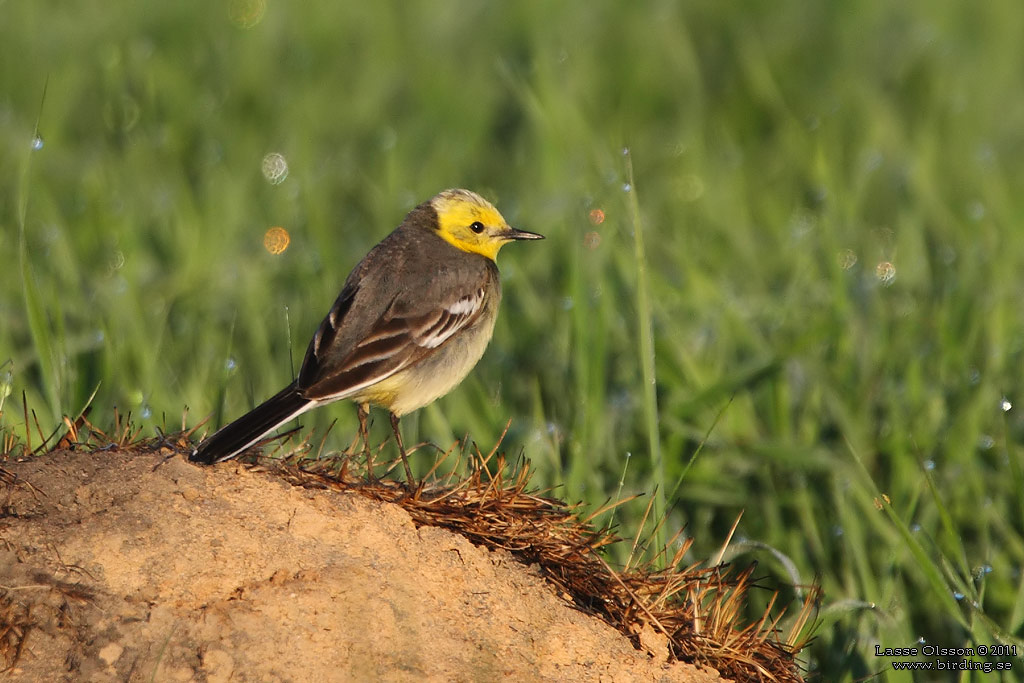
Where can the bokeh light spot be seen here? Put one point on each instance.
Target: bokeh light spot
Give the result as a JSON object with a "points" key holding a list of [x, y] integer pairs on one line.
{"points": [[276, 240], [275, 168], [847, 259], [885, 272], [116, 260], [246, 13]]}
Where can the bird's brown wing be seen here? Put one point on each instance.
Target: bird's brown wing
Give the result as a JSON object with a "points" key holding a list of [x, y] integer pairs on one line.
{"points": [[402, 335]]}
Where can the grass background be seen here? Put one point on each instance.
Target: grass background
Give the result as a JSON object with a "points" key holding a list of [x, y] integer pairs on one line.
{"points": [[829, 201]]}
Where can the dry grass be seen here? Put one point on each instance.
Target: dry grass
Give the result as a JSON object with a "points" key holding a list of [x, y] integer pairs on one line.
{"points": [[686, 613], [16, 623], [680, 612]]}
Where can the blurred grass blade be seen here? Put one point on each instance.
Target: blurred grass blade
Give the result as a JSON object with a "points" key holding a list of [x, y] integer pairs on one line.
{"points": [[949, 529], [932, 573], [645, 333], [744, 379], [1017, 615], [34, 310]]}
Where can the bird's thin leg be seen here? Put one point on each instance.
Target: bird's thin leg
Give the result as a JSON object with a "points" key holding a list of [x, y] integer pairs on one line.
{"points": [[401, 448], [363, 411]]}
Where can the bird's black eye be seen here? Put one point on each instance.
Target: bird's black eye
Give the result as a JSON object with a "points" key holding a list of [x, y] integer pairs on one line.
{"points": [[477, 227]]}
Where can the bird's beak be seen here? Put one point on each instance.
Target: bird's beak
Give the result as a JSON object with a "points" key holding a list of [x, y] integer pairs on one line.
{"points": [[513, 234]]}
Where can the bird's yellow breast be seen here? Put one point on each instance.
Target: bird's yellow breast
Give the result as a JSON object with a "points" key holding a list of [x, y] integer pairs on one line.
{"points": [[427, 380]]}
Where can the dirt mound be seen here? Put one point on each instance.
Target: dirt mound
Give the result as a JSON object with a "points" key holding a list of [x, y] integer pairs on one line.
{"points": [[127, 565]]}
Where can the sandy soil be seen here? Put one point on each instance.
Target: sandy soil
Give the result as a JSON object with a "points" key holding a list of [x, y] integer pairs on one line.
{"points": [[145, 567]]}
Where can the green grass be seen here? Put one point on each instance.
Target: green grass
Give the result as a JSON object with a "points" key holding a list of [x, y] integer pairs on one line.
{"points": [[786, 159]]}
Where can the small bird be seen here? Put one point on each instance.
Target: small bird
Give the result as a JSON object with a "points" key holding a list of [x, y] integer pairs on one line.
{"points": [[412, 319]]}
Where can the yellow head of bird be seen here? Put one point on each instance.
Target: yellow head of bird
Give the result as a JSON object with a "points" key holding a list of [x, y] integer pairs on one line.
{"points": [[468, 221]]}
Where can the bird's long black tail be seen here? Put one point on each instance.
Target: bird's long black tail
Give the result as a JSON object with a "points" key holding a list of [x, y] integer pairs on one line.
{"points": [[234, 438]]}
